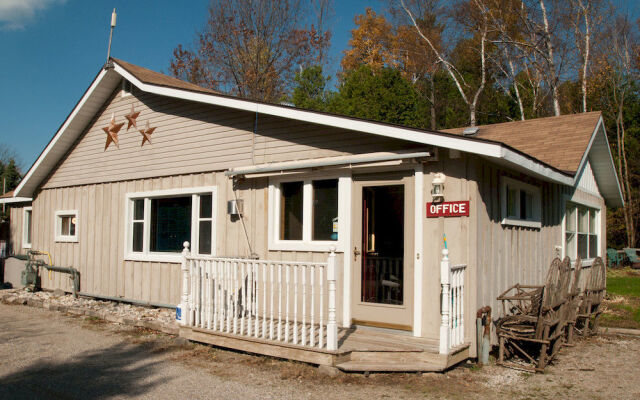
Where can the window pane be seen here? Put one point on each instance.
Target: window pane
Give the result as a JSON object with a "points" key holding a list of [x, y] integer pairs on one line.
{"points": [[524, 211], [138, 232], [64, 226], [204, 241], [583, 221], [325, 209], [512, 198], [571, 218], [28, 217], [582, 246], [571, 245], [170, 224], [593, 246], [205, 206], [138, 209], [291, 211], [592, 222], [72, 226]]}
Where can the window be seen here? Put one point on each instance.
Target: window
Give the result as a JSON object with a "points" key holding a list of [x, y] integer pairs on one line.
{"points": [[160, 222], [26, 227], [304, 213], [521, 204], [581, 232], [66, 226]]}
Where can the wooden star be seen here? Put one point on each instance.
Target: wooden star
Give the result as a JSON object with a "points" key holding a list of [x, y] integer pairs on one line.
{"points": [[146, 133], [131, 118], [112, 132]]}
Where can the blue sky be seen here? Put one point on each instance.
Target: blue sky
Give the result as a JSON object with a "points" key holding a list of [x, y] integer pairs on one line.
{"points": [[52, 49]]}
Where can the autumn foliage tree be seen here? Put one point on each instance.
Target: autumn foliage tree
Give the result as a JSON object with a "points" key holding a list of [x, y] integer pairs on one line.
{"points": [[252, 48]]}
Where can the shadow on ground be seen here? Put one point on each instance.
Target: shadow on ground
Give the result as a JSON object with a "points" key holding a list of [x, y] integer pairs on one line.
{"points": [[120, 370]]}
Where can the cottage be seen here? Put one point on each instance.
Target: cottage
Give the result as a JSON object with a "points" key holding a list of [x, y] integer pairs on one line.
{"points": [[310, 236]]}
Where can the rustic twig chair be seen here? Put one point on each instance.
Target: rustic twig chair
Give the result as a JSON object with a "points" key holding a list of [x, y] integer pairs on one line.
{"points": [[589, 310], [534, 320], [574, 300]]}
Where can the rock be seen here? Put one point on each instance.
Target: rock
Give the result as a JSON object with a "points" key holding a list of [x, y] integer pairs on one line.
{"points": [[328, 370], [58, 293]]}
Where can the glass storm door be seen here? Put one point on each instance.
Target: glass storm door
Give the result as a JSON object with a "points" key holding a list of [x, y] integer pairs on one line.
{"points": [[381, 251]]}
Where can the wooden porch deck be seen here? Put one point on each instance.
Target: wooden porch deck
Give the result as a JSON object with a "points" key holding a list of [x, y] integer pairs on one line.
{"points": [[359, 350]]}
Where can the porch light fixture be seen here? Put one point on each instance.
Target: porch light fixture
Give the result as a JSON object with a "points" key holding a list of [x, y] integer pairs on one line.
{"points": [[437, 192]]}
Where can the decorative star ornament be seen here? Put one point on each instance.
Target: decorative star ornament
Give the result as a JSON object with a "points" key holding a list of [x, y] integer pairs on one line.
{"points": [[131, 118], [146, 133], [112, 132]]}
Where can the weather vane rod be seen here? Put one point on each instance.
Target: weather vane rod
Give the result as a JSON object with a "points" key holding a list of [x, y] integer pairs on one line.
{"points": [[113, 25]]}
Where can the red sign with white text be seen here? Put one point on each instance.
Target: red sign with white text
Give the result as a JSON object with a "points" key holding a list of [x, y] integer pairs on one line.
{"points": [[448, 209]]}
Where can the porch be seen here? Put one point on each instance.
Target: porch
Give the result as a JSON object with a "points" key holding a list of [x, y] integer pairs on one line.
{"points": [[287, 310]]}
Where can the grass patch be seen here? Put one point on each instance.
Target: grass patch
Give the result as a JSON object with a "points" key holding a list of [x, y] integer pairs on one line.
{"points": [[622, 304]]}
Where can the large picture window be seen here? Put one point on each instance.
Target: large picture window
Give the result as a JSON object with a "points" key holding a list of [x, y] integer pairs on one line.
{"points": [[305, 213], [581, 232], [160, 222], [521, 204]]}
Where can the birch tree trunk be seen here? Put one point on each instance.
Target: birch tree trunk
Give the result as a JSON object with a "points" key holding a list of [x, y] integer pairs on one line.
{"points": [[553, 74]]}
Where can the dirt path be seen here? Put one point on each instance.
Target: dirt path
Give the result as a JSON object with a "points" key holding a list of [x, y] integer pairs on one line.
{"points": [[48, 355]]}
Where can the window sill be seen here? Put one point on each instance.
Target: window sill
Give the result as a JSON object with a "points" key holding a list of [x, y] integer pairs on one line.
{"points": [[67, 239], [26, 245], [521, 222], [173, 258], [298, 245]]}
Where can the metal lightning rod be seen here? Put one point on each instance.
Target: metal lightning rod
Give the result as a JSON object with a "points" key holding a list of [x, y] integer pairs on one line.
{"points": [[113, 25]]}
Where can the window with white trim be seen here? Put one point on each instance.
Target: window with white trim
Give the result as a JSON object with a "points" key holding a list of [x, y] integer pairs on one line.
{"points": [[521, 204], [304, 213], [582, 232], [66, 226], [159, 223], [26, 227]]}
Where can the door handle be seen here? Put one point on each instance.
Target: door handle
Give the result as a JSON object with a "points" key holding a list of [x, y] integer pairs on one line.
{"points": [[356, 253]]}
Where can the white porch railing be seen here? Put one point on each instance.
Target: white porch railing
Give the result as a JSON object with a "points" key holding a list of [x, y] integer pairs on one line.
{"points": [[282, 301], [452, 304]]}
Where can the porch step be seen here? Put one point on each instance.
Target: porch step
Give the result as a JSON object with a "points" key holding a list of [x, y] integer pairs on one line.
{"points": [[381, 366]]}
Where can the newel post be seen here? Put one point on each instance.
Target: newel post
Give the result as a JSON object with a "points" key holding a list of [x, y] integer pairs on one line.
{"points": [[445, 281], [184, 307], [332, 326]]}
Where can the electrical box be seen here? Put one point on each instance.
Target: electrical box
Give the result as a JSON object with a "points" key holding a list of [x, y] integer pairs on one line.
{"points": [[234, 207]]}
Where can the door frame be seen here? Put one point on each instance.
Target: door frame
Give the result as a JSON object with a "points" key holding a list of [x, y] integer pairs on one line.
{"points": [[407, 321]]}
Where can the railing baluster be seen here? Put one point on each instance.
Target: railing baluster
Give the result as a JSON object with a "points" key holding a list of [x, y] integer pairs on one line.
{"points": [[312, 334], [249, 303], [295, 304], [320, 328], [235, 297], [227, 304], [243, 298], [279, 301], [287, 289], [192, 281], [214, 294], [304, 304], [271, 292], [264, 300]]}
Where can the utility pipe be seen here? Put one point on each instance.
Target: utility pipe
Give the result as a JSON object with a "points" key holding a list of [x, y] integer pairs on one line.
{"points": [[483, 334], [126, 300], [75, 275]]}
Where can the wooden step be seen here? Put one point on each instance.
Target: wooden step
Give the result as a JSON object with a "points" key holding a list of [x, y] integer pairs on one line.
{"points": [[372, 366]]}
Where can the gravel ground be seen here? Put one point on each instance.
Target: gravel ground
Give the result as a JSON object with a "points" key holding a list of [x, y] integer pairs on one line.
{"points": [[46, 354]]}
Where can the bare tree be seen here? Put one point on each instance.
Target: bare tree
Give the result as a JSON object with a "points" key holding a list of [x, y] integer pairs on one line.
{"points": [[252, 48], [468, 93]]}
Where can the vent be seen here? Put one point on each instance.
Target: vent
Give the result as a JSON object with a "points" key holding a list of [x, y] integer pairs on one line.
{"points": [[471, 131]]}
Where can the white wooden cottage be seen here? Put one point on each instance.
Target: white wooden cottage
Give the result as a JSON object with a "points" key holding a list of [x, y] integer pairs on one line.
{"points": [[311, 236]]}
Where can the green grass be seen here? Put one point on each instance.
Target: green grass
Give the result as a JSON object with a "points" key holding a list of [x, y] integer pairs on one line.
{"points": [[622, 305]]}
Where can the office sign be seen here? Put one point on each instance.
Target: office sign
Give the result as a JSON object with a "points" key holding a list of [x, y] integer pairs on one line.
{"points": [[448, 209]]}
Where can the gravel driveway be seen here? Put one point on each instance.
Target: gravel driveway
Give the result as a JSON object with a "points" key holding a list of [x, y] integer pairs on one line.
{"points": [[46, 354]]}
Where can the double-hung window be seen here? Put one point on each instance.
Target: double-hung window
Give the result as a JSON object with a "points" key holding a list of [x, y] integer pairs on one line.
{"points": [[582, 232], [158, 224], [66, 226], [521, 204], [305, 213], [26, 227]]}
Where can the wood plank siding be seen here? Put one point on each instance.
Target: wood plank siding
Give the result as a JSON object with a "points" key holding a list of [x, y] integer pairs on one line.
{"points": [[192, 137]]}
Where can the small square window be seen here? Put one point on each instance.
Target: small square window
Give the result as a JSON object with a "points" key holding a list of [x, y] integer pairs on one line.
{"points": [[66, 226]]}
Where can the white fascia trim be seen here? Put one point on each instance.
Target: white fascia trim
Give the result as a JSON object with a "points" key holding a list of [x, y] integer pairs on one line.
{"points": [[10, 200], [96, 82], [469, 146], [585, 156]]}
